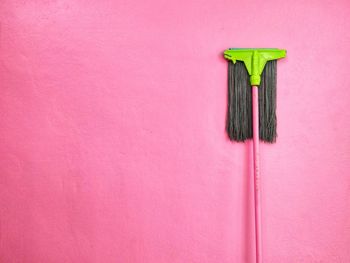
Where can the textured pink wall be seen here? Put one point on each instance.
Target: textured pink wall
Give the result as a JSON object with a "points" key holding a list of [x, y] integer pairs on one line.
{"points": [[112, 141]]}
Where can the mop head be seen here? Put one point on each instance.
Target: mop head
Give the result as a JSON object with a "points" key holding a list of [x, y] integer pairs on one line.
{"points": [[246, 68]]}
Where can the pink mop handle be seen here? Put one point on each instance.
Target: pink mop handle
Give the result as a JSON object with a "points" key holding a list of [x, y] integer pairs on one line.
{"points": [[257, 202]]}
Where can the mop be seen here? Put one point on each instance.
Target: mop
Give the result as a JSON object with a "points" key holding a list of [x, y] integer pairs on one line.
{"points": [[252, 109]]}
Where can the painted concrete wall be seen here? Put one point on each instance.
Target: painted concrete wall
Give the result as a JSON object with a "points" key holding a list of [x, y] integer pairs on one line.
{"points": [[112, 132]]}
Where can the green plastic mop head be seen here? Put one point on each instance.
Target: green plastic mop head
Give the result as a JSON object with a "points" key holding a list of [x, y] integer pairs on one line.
{"points": [[252, 67]]}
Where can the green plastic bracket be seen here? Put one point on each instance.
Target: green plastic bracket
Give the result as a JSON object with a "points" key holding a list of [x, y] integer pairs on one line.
{"points": [[254, 59]]}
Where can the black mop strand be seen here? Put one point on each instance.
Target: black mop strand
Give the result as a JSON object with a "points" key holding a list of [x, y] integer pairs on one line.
{"points": [[239, 115]]}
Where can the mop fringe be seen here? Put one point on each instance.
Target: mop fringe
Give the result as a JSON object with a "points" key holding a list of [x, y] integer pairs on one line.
{"points": [[239, 115]]}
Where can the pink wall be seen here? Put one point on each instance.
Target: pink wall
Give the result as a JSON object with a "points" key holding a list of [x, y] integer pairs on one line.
{"points": [[112, 141]]}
